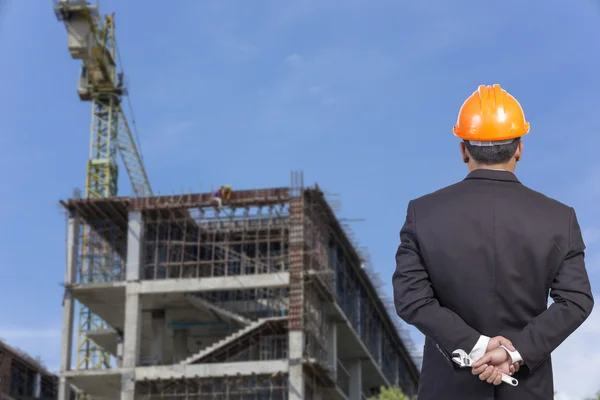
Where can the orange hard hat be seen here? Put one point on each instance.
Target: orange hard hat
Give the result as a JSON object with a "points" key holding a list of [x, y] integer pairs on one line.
{"points": [[491, 114]]}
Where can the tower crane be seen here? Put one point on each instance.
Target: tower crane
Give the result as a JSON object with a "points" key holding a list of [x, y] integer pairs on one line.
{"points": [[91, 39]]}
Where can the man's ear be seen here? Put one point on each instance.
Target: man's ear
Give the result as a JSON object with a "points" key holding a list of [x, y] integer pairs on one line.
{"points": [[464, 152], [519, 152]]}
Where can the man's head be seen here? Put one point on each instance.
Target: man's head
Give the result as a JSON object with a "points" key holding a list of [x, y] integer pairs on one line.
{"points": [[495, 156], [491, 123]]}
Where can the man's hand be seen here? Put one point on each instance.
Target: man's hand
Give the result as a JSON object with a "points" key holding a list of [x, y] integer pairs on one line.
{"points": [[497, 359], [493, 344], [497, 341], [491, 365]]}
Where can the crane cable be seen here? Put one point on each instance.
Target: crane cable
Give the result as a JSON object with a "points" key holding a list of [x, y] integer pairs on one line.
{"points": [[129, 104]]}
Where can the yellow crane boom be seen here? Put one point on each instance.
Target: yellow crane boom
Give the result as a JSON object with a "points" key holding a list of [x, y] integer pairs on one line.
{"points": [[91, 39]]}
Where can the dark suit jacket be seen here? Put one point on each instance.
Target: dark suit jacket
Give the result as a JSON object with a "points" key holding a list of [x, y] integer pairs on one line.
{"points": [[481, 257]]}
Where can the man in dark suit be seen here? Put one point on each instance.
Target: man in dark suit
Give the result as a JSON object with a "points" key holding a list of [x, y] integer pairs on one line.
{"points": [[479, 258]]}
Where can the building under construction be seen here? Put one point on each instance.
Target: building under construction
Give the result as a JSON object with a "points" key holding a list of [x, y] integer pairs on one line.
{"points": [[265, 298], [22, 377]]}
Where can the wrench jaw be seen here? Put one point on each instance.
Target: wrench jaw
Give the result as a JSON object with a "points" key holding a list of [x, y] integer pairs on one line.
{"points": [[461, 358], [460, 361]]}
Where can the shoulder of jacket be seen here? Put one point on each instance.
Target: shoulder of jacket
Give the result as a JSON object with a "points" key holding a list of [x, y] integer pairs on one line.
{"points": [[450, 190], [440, 192], [559, 206]]}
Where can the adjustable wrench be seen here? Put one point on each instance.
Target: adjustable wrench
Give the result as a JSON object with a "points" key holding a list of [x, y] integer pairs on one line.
{"points": [[464, 361]]}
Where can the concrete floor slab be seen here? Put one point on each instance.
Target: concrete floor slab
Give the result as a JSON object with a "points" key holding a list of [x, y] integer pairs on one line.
{"points": [[106, 338], [100, 384], [107, 300], [161, 301], [211, 370], [274, 280], [351, 347]]}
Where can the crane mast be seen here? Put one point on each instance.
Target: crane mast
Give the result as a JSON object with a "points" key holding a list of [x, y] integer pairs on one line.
{"points": [[91, 39]]}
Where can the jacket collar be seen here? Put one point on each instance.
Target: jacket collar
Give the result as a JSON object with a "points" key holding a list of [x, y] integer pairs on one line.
{"points": [[493, 175]]}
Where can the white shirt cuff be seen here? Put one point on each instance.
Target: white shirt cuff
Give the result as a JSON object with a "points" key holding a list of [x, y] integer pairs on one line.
{"points": [[514, 355], [480, 348]]}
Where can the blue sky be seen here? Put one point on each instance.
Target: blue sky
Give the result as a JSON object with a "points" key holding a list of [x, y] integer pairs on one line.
{"points": [[360, 95]]}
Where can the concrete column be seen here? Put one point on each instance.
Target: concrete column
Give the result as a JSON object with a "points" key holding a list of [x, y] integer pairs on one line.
{"points": [[180, 337], [158, 333], [296, 376], [355, 371], [169, 339], [135, 236], [74, 226], [119, 350], [128, 384], [332, 349], [131, 342], [133, 308], [297, 243], [132, 331], [37, 388]]}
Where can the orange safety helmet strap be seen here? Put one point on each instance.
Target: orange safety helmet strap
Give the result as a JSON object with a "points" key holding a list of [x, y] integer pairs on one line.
{"points": [[490, 116]]}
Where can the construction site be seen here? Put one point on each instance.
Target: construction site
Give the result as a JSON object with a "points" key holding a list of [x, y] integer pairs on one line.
{"points": [[266, 298], [257, 294]]}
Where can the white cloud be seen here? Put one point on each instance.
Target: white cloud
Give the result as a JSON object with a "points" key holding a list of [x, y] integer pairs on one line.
{"points": [[590, 235], [315, 90], [294, 59], [586, 190], [17, 334], [42, 344], [171, 136], [564, 396], [319, 92], [592, 264], [247, 49], [330, 100], [576, 362]]}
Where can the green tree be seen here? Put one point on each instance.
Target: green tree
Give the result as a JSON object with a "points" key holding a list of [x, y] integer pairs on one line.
{"points": [[393, 393]]}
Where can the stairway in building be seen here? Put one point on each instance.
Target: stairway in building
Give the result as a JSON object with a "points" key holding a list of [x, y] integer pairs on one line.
{"points": [[219, 312], [229, 339]]}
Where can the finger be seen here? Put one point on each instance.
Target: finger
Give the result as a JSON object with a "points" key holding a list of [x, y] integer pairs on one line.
{"points": [[486, 374], [498, 380], [517, 367], [504, 341], [493, 343], [479, 370], [486, 359], [511, 369], [492, 376]]}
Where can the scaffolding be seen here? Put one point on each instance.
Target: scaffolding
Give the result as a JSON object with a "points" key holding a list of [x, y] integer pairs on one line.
{"points": [[230, 388], [287, 234], [202, 243], [268, 343]]}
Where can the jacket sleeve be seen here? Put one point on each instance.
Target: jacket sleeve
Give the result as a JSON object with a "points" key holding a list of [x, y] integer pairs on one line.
{"points": [[573, 302], [415, 300]]}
